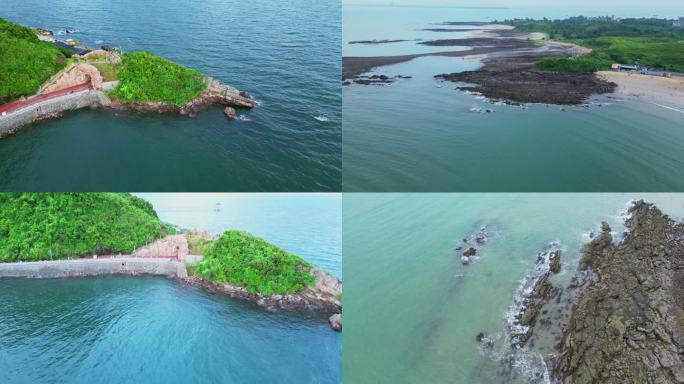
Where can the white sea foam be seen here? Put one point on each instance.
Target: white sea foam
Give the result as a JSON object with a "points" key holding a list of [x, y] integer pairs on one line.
{"points": [[322, 118]]}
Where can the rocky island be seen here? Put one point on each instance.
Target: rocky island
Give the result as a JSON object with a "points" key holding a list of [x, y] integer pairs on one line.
{"points": [[41, 78], [56, 235]]}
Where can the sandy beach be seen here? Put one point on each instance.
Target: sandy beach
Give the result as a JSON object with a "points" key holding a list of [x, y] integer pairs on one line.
{"points": [[663, 91]]}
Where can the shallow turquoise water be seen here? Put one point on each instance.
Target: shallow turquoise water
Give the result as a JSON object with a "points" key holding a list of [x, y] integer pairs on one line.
{"points": [[412, 310], [284, 53], [153, 330], [420, 135]]}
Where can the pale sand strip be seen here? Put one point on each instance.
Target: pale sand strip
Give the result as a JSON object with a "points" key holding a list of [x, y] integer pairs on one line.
{"points": [[662, 91]]}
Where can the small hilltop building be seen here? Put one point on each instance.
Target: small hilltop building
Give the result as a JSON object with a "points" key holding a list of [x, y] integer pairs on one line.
{"points": [[678, 23]]}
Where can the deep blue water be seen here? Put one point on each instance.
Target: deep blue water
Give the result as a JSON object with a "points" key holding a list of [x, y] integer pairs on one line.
{"points": [[153, 330], [286, 53]]}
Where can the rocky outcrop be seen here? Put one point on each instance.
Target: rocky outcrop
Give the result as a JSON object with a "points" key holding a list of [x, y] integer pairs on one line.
{"points": [[554, 261], [215, 94], [627, 326], [323, 297], [472, 243], [336, 322]]}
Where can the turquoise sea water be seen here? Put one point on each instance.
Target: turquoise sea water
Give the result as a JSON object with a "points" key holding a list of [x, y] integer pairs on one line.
{"points": [[284, 53], [412, 310], [420, 134], [153, 330]]}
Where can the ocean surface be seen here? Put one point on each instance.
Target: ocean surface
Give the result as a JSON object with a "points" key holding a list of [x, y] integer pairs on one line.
{"points": [[421, 135], [285, 53], [412, 310], [153, 330]]}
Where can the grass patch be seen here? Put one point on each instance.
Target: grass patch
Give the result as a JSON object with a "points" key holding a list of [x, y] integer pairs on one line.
{"points": [[109, 71], [40, 226], [248, 261], [25, 61], [148, 78]]}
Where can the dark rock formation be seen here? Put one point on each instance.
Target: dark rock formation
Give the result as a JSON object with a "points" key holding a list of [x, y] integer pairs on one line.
{"points": [[554, 261], [376, 41], [470, 252], [627, 326]]}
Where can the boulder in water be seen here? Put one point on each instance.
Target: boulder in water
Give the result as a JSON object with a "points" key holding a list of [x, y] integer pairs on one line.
{"points": [[336, 322], [230, 113]]}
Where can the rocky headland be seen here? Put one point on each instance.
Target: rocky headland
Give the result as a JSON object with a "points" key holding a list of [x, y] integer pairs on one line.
{"points": [[628, 325], [620, 319]]}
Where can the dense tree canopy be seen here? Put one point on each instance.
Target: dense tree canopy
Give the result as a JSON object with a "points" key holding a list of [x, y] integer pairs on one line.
{"points": [[25, 61], [39, 226], [248, 261]]}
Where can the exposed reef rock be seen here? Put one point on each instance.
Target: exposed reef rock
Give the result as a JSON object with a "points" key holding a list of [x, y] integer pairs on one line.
{"points": [[471, 243], [627, 326], [378, 79], [513, 79], [376, 41]]}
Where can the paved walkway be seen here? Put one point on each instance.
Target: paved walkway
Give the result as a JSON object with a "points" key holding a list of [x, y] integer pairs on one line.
{"points": [[16, 105]]}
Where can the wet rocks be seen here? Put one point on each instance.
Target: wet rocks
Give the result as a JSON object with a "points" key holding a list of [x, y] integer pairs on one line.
{"points": [[627, 326], [375, 42], [554, 261], [335, 322], [230, 113], [378, 79], [594, 250], [471, 243]]}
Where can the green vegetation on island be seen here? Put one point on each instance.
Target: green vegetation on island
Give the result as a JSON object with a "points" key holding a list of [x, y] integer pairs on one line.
{"points": [[43, 226], [244, 260], [145, 78], [648, 42], [25, 61]]}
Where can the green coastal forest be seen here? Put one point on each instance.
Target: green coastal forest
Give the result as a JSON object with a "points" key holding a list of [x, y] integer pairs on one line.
{"points": [[25, 61], [248, 261], [42, 226], [649, 42]]}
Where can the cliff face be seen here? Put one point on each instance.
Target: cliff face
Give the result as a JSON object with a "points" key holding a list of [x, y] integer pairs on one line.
{"points": [[628, 325]]}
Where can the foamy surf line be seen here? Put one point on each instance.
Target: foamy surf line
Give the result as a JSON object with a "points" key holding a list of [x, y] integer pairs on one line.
{"points": [[668, 107]]}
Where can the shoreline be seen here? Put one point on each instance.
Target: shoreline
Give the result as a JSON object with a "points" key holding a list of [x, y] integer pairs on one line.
{"points": [[663, 91], [323, 298], [508, 73]]}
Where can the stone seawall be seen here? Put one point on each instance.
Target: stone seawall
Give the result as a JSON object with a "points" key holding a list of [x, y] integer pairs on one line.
{"points": [[49, 108], [93, 267]]}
